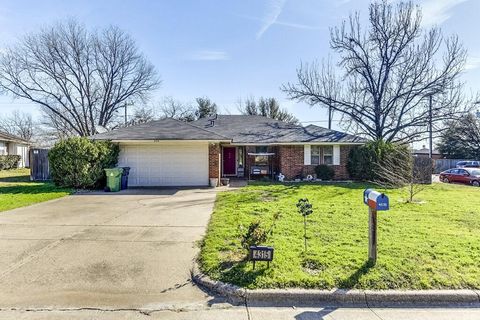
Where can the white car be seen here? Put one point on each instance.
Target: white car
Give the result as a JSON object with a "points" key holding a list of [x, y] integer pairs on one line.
{"points": [[468, 164]]}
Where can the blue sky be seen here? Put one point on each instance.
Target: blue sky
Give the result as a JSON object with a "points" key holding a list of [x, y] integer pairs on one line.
{"points": [[228, 50]]}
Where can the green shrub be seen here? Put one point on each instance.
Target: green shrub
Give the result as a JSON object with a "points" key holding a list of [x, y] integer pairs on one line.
{"points": [[8, 162], [324, 172], [378, 161], [359, 163], [79, 162]]}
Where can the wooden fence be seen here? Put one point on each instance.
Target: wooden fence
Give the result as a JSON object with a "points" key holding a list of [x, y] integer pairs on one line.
{"points": [[445, 164], [39, 166], [422, 170]]}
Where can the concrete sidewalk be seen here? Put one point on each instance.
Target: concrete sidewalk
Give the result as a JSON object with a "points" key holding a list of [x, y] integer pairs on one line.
{"points": [[243, 313]]}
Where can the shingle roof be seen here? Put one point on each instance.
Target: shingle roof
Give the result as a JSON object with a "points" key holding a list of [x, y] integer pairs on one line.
{"points": [[165, 129], [258, 129], [425, 151], [237, 128], [10, 137]]}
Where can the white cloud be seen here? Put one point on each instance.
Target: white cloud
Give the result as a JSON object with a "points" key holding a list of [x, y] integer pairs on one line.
{"points": [[472, 63], [436, 12], [209, 55], [275, 8]]}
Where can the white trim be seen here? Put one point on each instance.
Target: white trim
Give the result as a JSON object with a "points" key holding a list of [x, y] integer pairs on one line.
{"points": [[239, 144], [336, 155], [307, 155], [298, 143], [166, 141]]}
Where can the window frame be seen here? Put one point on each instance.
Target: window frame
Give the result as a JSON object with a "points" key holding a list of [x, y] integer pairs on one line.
{"points": [[261, 149], [315, 153], [324, 154]]}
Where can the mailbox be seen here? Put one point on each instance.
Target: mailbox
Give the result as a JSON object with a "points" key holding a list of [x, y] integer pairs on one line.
{"points": [[375, 200]]}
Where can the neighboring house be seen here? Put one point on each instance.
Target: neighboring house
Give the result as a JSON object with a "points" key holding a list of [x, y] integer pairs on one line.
{"points": [[425, 152], [10, 144], [169, 152]]}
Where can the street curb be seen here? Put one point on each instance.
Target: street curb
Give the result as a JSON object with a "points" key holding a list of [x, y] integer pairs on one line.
{"points": [[336, 297]]}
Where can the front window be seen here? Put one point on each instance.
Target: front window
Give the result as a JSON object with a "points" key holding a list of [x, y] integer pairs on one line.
{"points": [[321, 155], [240, 156], [328, 154], [261, 160], [315, 155], [261, 149]]}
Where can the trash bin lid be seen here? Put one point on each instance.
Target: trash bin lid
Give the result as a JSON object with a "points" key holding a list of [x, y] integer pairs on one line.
{"points": [[113, 171]]}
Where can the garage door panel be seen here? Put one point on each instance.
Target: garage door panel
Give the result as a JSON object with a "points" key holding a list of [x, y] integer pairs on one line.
{"points": [[166, 164]]}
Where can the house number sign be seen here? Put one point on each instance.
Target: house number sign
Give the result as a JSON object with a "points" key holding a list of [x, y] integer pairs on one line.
{"points": [[260, 253]]}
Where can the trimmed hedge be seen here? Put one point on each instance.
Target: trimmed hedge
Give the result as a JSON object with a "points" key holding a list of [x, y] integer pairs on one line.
{"points": [[79, 162], [10, 161], [324, 172]]}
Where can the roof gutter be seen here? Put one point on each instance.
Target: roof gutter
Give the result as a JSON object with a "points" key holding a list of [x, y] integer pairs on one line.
{"points": [[166, 141], [296, 143]]}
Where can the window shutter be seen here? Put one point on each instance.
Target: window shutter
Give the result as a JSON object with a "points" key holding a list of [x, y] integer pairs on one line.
{"points": [[307, 154], [336, 155]]}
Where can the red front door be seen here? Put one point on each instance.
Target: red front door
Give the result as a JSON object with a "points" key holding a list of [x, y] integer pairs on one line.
{"points": [[229, 160]]}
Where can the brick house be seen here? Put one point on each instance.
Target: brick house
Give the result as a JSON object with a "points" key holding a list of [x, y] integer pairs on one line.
{"points": [[173, 153], [261, 146]]}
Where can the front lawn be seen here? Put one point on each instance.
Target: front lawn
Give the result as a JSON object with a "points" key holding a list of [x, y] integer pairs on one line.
{"points": [[16, 190], [429, 245]]}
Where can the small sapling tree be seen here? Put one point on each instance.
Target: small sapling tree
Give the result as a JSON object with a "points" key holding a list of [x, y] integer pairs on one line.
{"points": [[305, 209]]}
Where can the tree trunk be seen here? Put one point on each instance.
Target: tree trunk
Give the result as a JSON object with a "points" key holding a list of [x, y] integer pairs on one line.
{"points": [[305, 232]]}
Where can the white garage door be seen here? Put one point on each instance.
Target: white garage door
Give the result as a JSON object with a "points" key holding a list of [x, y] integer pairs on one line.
{"points": [[166, 164]]}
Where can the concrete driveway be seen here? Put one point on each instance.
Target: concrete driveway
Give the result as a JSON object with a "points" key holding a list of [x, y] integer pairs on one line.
{"points": [[128, 250]]}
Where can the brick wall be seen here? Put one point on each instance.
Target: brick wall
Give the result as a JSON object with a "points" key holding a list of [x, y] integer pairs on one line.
{"points": [[341, 172], [291, 161], [214, 160]]}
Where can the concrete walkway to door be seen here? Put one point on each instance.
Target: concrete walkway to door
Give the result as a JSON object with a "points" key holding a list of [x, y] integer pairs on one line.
{"points": [[130, 250]]}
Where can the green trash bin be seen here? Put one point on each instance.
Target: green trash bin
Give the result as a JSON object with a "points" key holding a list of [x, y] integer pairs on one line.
{"points": [[114, 178]]}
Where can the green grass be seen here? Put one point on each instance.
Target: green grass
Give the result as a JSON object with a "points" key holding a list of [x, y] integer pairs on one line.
{"points": [[429, 245], [16, 190]]}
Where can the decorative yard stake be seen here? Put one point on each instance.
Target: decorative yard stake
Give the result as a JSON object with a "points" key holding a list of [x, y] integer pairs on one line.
{"points": [[375, 201], [305, 209]]}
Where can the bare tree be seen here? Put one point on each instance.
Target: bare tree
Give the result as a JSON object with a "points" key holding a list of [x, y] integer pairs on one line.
{"points": [[387, 72], [171, 108], [19, 124], [140, 115], [79, 78], [267, 107], [398, 169]]}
